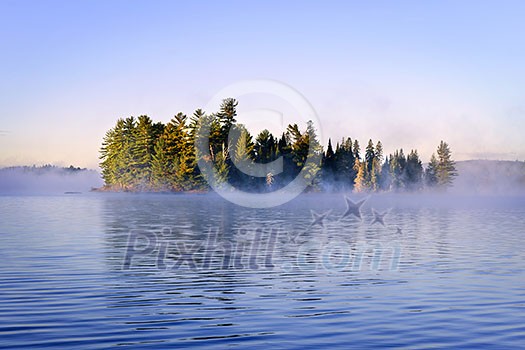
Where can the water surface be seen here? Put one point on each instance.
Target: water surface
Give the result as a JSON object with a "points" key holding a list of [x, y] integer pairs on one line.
{"points": [[441, 271]]}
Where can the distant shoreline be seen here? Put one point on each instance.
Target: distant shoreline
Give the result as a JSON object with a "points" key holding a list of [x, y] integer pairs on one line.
{"points": [[106, 189], [485, 177]]}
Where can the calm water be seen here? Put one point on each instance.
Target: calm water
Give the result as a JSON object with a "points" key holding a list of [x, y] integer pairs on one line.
{"points": [[201, 272]]}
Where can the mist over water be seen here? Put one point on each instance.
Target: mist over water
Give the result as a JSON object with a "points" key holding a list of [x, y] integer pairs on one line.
{"points": [[456, 282], [408, 269], [476, 177], [490, 177], [46, 181]]}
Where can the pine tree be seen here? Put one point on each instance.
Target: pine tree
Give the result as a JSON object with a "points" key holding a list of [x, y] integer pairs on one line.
{"points": [[221, 168], [385, 179], [111, 154], [203, 130], [226, 119], [198, 117], [161, 167], [330, 155], [328, 168], [413, 172], [377, 169], [357, 150], [289, 169], [244, 147], [397, 170], [379, 152], [312, 169], [298, 149], [370, 156], [373, 176], [195, 119], [360, 180], [345, 161], [186, 171], [174, 145], [143, 150], [127, 168], [243, 156], [265, 147], [431, 179], [446, 169]]}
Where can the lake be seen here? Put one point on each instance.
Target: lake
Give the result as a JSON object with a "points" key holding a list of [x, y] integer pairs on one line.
{"points": [[134, 270]]}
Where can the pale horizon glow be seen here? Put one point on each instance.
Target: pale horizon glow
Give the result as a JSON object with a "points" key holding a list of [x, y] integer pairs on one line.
{"points": [[407, 73]]}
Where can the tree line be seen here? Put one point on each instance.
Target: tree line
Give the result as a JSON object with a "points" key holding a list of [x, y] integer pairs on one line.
{"points": [[138, 154], [44, 169]]}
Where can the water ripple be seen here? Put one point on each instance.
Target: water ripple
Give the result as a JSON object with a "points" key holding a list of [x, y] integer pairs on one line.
{"points": [[459, 281]]}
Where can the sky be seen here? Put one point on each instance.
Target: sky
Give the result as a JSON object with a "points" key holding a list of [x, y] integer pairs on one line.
{"points": [[408, 73]]}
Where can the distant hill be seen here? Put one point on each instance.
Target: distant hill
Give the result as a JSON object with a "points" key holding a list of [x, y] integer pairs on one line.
{"points": [[490, 177], [47, 179]]}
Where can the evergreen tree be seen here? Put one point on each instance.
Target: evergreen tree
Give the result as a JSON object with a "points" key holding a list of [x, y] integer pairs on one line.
{"points": [[161, 167], [385, 179], [360, 180], [282, 144], [328, 166], [379, 152], [397, 170], [111, 154], [226, 119], [413, 172], [345, 161], [289, 168], [298, 149], [138, 155], [357, 150], [431, 179], [265, 147], [446, 169], [143, 150], [205, 133], [370, 156], [127, 169], [173, 147], [221, 167], [243, 156], [312, 169], [306, 146], [373, 176], [217, 139], [244, 147], [195, 120], [376, 169]]}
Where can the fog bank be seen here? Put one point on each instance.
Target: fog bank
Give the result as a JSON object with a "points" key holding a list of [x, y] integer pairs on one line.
{"points": [[47, 180], [489, 177], [476, 177]]}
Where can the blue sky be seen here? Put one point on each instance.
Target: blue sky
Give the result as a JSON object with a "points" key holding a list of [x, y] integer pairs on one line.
{"points": [[409, 73]]}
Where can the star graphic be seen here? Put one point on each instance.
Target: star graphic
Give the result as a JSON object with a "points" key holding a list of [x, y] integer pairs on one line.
{"points": [[353, 208], [399, 231], [378, 217], [318, 219], [292, 237]]}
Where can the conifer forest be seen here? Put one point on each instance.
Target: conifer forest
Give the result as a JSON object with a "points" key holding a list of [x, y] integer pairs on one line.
{"points": [[139, 154]]}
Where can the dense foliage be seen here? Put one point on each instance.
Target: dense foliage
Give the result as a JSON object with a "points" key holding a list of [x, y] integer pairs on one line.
{"points": [[140, 155]]}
